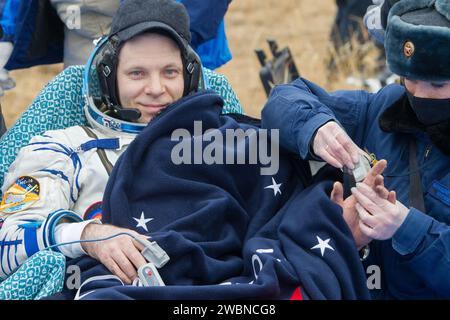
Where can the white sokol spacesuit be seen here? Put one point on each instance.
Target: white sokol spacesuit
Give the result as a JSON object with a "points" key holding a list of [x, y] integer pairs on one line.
{"points": [[61, 169], [55, 186]]}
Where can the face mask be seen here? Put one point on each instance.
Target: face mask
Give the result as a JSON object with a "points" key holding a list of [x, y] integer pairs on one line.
{"points": [[430, 111]]}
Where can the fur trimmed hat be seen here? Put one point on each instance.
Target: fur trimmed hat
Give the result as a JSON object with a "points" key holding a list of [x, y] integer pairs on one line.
{"points": [[417, 39]]}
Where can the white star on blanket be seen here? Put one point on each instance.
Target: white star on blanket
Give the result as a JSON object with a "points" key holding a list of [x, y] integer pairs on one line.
{"points": [[275, 187], [142, 222], [322, 245]]}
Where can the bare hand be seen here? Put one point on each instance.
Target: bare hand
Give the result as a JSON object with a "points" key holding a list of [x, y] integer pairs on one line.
{"points": [[348, 205], [381, 190], [335, 147], [380, 216], [121, 255]]}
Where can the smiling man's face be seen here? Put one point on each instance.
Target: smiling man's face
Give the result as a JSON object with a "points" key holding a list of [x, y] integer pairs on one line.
{"points": [[149, 74]]}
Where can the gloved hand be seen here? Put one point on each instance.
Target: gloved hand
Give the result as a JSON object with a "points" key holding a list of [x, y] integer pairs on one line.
{"points": [[379, 211], [6, 82], [333, 145]]}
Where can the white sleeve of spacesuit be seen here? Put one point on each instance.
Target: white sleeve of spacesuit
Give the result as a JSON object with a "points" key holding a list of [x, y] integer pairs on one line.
{"points": [[42, 183], [70, 232]]}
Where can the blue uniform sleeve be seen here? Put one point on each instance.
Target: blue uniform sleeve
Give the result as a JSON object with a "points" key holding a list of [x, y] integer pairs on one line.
{"points": [[424, 244], [300, 108], [206, 17], [8, 19]]}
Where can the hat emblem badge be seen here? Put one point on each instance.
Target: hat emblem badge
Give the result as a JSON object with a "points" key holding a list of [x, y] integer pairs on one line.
{"points": [[408, 49]]}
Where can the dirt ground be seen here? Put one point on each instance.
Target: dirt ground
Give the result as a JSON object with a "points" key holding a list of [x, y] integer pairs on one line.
{"points": [[303, 25]]}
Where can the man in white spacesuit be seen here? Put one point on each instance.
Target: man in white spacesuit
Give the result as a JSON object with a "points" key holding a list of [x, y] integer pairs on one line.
{"points": [[53, 191]]}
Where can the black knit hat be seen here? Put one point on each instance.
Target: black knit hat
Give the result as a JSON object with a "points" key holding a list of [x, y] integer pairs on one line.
{"points": [[136, 16], [133, 18]]}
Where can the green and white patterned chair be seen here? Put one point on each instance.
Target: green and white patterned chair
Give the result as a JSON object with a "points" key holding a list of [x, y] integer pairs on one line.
{"points": [[40, 276]]}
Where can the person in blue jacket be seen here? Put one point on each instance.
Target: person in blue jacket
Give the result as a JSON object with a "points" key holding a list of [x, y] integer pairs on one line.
{"points": [[409, 126], [7, 24], [52, 31]]}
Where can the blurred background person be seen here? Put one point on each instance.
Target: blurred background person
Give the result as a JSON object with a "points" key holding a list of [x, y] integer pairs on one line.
{"points": [[51, 31]]}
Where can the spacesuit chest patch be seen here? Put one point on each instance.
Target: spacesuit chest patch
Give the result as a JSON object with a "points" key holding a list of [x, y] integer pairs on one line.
{"points": [[21, 195]]}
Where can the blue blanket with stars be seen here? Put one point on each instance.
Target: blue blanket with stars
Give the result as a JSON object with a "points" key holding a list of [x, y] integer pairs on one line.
{"points": [[230, 231]]}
